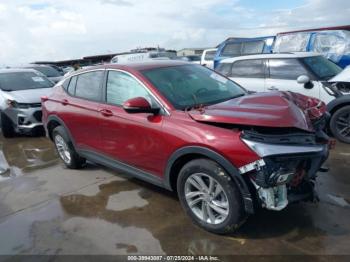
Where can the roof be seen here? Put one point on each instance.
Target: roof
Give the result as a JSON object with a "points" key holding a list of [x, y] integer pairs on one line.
{"points": [[273, 55], [192, 48], [344, 27], [16, 70], [138, 66]]}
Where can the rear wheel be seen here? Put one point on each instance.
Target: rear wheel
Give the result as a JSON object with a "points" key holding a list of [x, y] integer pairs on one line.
{"points": [[340, 124], [210, 196], [7, 127], [66, 149]]}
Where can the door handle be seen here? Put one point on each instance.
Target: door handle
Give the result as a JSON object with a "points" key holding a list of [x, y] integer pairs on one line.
{"points": [[64, 102], [106, 112], [272, 88]]}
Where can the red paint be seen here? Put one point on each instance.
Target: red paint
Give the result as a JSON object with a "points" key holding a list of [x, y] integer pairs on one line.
{"points": [[147, 141]]}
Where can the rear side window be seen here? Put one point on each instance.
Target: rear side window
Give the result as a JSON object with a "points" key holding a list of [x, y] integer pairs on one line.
{"points": [[286, 69], [89, 85], [224, 69], [71, 86], [255, 47], [249, 68], [65, 84], [232, 49]]}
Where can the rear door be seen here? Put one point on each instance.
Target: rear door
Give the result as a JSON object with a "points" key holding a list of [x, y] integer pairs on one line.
{"points": [[80, 109], [250, 74], [283, 74]]}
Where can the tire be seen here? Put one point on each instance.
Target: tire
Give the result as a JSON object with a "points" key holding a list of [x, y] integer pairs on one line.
{"points": [[7, 127], [65, 149], [340, 124], [229, 200]]}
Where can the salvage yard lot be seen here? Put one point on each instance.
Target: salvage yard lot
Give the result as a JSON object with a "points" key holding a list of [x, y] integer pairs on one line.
{"points": [[48, 209]]}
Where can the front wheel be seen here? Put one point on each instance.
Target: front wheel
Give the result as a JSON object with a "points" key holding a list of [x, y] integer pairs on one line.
{"points": [[340, 124], [210, 196]]}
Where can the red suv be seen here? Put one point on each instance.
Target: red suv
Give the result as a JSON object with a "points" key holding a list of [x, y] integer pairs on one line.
{"points": [[186, 128]]}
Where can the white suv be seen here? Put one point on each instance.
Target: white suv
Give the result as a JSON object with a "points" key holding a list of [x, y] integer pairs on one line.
{"points": [[307, 73]]}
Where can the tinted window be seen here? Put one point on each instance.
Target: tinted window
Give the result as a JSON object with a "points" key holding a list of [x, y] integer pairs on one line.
{"points": [[232, 49], [286, 69], [14, 81], [190, 85], [322, 67], [48, 71], [248, 68], [89, 85], [66, 83], [122, 87], [224, 68], [253, 47], [71, 86], [210, 55]]}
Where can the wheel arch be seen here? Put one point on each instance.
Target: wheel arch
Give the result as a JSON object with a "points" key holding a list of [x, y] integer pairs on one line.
{"points": [[182, 156], [52, 123], [338, 103]]}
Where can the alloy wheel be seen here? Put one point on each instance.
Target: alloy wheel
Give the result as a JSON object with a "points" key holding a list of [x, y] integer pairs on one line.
{"points": [[343, 124], [206, 198], [62, 149]]}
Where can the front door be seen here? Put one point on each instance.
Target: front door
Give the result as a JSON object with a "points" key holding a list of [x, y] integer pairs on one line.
{"points": [[134, 139], [283, 74]]}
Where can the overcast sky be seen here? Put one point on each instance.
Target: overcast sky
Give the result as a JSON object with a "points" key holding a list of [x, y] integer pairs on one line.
{"points": [[32, 30]]}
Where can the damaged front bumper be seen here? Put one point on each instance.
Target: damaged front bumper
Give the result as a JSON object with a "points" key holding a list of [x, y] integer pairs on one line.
{"points": [[286, 172]]}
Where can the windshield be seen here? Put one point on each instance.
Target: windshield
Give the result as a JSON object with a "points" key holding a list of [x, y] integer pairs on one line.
{"points": [[16, 81], [48, 71], [322, 67], [188, 86]]}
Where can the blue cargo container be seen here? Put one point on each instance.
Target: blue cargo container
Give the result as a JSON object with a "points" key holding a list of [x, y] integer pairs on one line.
{"points": [[332, 42], [233, 46]]}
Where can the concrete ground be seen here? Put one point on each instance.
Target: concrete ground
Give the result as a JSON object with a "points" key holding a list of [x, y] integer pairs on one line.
{"points": [[48, 209]]}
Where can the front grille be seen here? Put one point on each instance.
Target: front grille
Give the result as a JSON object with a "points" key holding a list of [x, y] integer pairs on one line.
{"points": [[38, 115], [29, 105]]}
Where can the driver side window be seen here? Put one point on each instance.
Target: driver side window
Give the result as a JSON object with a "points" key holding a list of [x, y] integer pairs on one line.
{"points": [[122, 87]]}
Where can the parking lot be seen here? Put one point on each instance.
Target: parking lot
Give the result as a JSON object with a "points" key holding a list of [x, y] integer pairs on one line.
{"points": [[48, 209]]}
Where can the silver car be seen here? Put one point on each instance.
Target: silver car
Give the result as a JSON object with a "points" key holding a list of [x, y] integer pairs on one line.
{"points": [[20, 100]]}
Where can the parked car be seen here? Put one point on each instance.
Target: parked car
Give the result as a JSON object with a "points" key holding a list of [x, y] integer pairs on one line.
{"points": [[195, 59], [332, 42], [235, 46], [139, 56], [50, 72], [307, 73], [207, 58], [20, 105], [186, 128]]}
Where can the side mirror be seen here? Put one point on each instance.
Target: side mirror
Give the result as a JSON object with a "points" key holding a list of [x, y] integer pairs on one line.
{"points": [[139, 105], [303, 79]]}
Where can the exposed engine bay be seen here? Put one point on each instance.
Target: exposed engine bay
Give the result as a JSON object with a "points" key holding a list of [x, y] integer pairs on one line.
{"points": [[288, 168]]}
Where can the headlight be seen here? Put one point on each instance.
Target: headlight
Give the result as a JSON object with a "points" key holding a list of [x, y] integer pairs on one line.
{"points": [[264, 150], [11, 103]]}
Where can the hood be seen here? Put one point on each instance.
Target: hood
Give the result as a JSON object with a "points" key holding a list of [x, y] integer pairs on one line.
{"points": [[343, 76], [272, 109], [28, 95]]}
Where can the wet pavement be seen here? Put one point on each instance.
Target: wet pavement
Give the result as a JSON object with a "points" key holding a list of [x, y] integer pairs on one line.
{"points": [[48, 209]]}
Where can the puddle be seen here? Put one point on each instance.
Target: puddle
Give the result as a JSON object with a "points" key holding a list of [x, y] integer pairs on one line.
{"points": [[125, 200], [338, 201], [25, 154]]}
